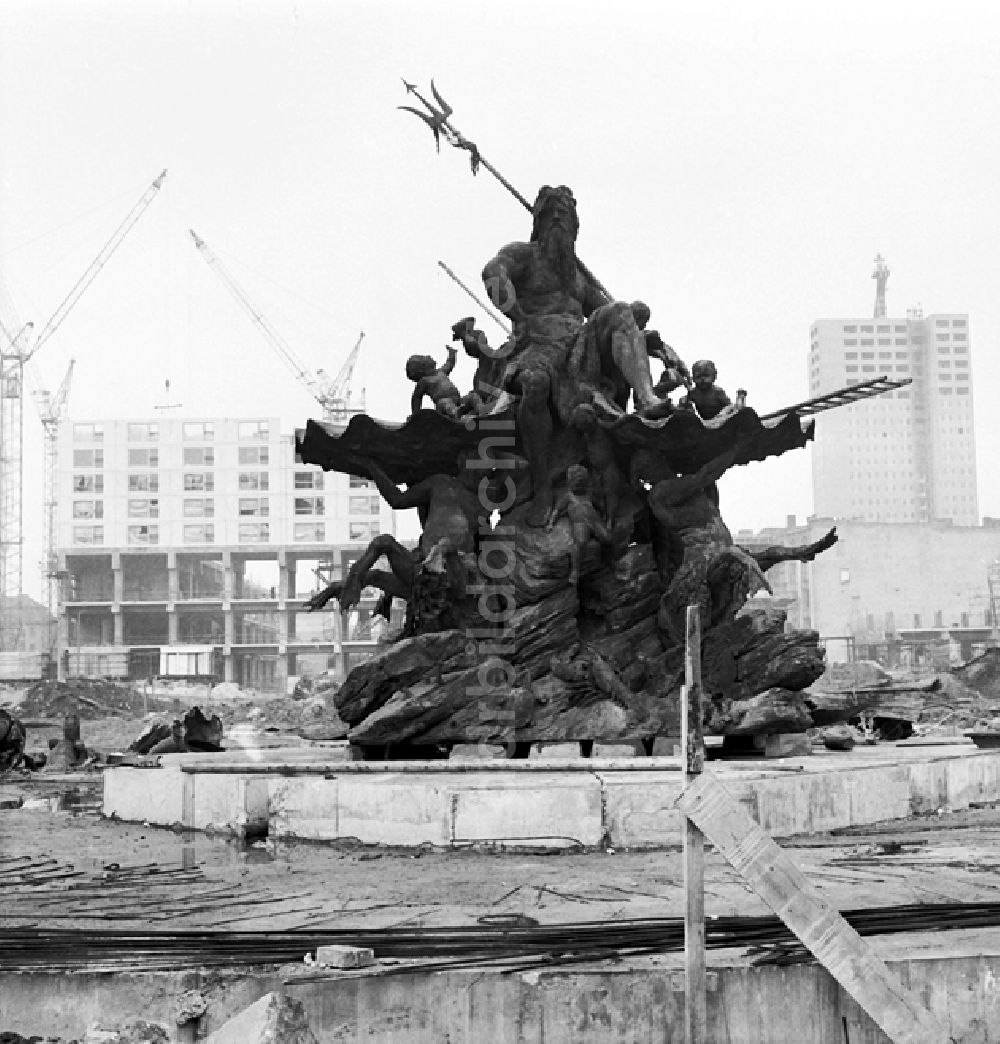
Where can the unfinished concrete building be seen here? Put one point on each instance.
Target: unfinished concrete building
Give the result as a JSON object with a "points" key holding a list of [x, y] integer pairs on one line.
{"points": [[186, 548]]}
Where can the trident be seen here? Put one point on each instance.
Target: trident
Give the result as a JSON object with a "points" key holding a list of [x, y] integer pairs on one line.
{"points": [[438, 118]]}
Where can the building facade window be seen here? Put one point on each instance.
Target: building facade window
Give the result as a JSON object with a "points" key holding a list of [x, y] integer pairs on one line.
{"points": [[253, 480], [254, 506], [143, 534], [362, 531], [88, 432], [88, 534], [253, 454], [199, 533], [309, 531], [199, 507], [143, 458], [88, 483], [199, 456], [309, 479], [143, 483], [309, 506], [372, 505], [88, 458], [254, 430], [142, 432], [88, 509], [143, 508], [254, 532], [198, 431], [357, 482], [195, 482]]}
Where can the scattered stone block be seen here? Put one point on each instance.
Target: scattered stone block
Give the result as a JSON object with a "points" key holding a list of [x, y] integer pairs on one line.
{"points": [[476, 751], [555, 750], [787, 744], [345, 956], [666, 747], [139, 1031], [11, 798], [613, 750], [274, 1019]]}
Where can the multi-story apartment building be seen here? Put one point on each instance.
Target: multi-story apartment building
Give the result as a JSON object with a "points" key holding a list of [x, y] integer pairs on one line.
{"points": [[186, 547], [890, 584], [907, 455]]}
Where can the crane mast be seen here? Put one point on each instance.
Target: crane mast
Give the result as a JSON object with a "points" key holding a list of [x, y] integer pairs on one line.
{"points": [[51, 409], [333, 396], [18, 344]]}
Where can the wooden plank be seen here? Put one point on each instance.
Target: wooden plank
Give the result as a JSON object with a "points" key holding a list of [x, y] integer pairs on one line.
{"points": [[773, 875], [693, 747]]}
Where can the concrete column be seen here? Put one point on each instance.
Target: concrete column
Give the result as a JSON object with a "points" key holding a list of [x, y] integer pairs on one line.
{"points": [[281, 672], [171, 624], [227, 578], [62, 642], [116, 616], [118, 579], [173, 581], [284, 584]]}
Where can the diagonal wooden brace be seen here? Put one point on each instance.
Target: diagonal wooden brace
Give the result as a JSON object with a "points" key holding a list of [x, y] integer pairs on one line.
{"points": [[773, 875]]}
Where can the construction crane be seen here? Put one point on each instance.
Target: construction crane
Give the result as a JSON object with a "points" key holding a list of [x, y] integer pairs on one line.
{"points": [[333, 396], [51, 409], [18, 345]]}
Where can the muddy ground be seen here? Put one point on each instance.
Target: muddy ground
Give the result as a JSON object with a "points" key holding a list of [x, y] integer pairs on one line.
{"points": [[63, 864]]}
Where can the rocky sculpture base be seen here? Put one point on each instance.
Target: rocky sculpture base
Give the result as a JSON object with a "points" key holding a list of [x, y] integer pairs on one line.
{"points": [[579, 664], [586, 646]]}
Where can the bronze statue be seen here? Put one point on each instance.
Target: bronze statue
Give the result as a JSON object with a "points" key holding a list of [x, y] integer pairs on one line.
{"points": [[584, 521], [540, 287], [434, 382], [598, 652], [450, 513], [608, 481], [706, 397], [487, 393]]}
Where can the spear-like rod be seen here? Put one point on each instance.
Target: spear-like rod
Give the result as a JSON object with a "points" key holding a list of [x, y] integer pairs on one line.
{"points": [[438, 118], [485, 307]]}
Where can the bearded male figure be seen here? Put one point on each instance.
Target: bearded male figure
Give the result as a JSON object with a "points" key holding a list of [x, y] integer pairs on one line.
{"points": [[548, 296]]}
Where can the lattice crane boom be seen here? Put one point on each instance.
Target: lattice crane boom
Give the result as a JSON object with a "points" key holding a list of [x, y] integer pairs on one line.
{"points": [[277, 342], [95, 266], [18, 345], [333, 396], [336, 396]]}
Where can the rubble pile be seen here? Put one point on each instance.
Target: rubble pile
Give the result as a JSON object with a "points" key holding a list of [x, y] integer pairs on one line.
{"points": [[89, 698], [193, 733], [903, 702]]}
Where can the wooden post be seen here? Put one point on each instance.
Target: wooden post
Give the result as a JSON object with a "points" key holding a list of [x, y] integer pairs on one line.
{"points": [[773, 875], [693, 753]]}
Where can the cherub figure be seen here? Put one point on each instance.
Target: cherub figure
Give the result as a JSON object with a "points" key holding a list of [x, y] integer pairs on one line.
{"points": [[435, 382], [706, 397], [584, 520], [675, 373], [487, 392], [607, 478]]}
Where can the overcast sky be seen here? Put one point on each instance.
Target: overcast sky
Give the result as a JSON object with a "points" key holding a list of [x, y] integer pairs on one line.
{"points": [[738, 166]]}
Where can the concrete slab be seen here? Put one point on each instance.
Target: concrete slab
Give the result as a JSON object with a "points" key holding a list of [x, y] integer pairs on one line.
{"points": [[629, 1000], [312, 794]]}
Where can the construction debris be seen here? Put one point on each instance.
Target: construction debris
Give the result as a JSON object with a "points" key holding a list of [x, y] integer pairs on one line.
{"points": [[193, 733], [344, 956], [89, 698], [274, 1019], [12, 737]]}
